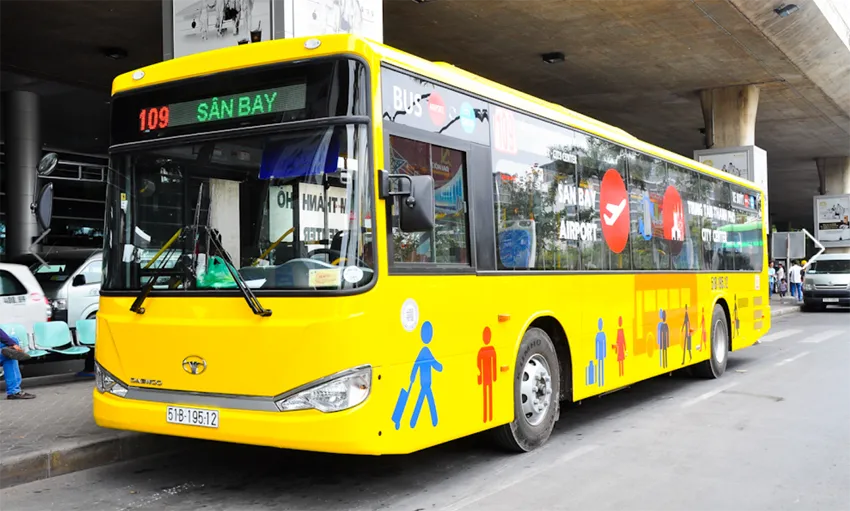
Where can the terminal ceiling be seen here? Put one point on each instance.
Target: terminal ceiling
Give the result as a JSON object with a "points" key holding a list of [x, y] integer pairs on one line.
{"points": [[634, 64]]}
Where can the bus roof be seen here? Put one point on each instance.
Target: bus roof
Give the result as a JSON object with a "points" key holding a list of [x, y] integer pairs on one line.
{"points": [[269, 52]]}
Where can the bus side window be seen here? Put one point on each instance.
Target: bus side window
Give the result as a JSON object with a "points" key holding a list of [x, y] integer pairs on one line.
{"points": [[448, 243]]}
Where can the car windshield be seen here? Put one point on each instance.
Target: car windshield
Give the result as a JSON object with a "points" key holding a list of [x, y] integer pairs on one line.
{"points": [[56, 270], [830, 266], [291, 211]]}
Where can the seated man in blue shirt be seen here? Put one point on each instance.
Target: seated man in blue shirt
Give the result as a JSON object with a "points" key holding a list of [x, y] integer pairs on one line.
{"points": [[10, 354]]}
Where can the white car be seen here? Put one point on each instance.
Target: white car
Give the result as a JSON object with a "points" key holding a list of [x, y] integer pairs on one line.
{"points": [[22, 301]]}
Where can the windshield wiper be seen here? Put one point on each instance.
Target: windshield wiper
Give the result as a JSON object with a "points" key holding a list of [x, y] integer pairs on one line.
{"points": [[148, 287], [256, 307]]}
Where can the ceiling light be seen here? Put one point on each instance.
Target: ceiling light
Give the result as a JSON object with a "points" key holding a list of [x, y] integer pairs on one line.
{"points": [[786, 10], [553, 57], [115, 53]]}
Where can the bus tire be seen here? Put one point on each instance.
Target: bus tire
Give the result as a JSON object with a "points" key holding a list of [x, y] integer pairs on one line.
{"points": [[537, 391], [715, 366]]}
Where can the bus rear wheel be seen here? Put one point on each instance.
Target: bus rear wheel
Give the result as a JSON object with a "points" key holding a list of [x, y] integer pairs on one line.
{"points": [[537, 390], [715, 366]]}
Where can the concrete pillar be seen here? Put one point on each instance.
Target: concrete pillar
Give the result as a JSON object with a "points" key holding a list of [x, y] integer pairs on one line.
{"points": [[730, 115], [834, 175], [23, 150]]}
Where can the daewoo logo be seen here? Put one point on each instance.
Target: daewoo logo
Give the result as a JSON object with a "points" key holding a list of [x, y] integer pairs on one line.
{"points": [[144, 381], [194, 364]]}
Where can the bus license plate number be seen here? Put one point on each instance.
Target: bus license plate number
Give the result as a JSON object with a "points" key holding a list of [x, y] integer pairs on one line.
{"points": [[830, 300], [192, 416]]}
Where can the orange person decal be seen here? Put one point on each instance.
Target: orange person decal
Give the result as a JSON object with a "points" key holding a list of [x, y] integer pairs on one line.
{"points": [[487, 373]]}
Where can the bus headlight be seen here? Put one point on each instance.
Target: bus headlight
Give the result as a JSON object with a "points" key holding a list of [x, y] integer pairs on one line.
{"points": [[807, 286], [105, 382], [332, 394]]}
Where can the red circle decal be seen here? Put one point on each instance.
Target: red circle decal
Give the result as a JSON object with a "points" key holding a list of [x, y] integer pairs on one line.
{"points": [[437, 109], [614, 211], [673, 218]]}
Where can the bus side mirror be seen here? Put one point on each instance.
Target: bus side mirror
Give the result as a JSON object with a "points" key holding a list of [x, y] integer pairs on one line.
{"points": [[42, 206], [416, 209], [79, 280]]}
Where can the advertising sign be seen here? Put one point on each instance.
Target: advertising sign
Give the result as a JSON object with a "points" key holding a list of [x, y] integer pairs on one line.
{"points": [[832, 220], [203, 25], [319, 17], [746, 162]]}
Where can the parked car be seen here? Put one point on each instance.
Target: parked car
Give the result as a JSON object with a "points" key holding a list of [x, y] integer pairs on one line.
{"points": [[71, 279], [22, 300], [827, 282]]}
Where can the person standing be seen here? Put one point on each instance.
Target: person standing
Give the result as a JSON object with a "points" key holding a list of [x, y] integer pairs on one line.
{"points": [[795, 277], [771, 278]]}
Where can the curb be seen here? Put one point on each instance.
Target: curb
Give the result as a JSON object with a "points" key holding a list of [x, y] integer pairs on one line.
{"points": [[784, 312], [75, 456]]}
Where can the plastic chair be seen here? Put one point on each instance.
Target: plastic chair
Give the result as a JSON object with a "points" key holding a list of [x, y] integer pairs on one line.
{"points": [[86, 331], [19, 332], [53, 335]]}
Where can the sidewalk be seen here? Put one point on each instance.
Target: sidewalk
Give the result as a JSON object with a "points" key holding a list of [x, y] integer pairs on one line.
{"points": [[55, 434], [780, 307]]}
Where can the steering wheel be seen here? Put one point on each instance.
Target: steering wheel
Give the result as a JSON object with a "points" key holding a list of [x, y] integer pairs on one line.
{"points": [[319, 251]]}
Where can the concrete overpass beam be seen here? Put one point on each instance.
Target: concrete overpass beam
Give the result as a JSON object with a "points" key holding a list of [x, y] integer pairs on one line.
{"points": [[23, 150], [834, 175], [730, 115]]}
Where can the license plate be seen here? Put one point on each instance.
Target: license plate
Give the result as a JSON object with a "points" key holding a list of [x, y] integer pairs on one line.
{"points": [[830, 300], [192, 416]]}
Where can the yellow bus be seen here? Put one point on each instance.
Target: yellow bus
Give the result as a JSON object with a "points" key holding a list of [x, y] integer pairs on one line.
{"points": [[328, 244]]}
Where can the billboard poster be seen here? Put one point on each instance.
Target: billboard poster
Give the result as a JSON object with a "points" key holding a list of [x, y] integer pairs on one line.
{"points": [[320, 17], [203, 25], [832, 220], [735, 163]]}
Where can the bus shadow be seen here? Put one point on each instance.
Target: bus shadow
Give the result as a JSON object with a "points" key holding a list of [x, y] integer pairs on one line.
{"points": [[342, 481]]}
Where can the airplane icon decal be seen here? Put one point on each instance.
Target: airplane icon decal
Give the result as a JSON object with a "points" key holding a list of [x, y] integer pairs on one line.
{"points": [[615, 211]]}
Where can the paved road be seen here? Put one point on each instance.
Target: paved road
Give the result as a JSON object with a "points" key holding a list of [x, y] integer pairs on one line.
{"points": [[771, 434]]}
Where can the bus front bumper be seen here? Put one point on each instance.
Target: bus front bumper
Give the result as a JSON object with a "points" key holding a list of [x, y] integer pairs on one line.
{"points": [[345, 432]]}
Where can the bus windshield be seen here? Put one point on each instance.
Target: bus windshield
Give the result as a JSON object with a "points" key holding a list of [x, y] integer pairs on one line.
{"points": [[291, 210]]}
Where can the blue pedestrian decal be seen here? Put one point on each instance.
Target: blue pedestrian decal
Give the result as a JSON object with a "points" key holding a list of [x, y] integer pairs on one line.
{"points": [[424, 364]]}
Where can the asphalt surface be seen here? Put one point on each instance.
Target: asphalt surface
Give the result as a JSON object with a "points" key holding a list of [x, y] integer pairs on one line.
{"points": [[773, 433]]}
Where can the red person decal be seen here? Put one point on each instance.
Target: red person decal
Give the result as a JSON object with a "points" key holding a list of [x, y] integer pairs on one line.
{"points": [[487, 373]]}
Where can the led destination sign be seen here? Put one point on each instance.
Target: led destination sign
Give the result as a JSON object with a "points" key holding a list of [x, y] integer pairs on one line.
{"points": [[235, 106]]}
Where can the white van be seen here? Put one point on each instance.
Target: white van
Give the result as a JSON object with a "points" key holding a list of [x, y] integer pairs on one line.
{"points": [[71, 281], [22, 300]]}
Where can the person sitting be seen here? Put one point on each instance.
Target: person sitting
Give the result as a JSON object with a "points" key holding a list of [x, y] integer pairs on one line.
{"points": [[10, 355]]}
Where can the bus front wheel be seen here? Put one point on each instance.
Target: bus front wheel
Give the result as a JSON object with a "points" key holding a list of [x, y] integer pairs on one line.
{"points": [[537, 390], [715, 366]]}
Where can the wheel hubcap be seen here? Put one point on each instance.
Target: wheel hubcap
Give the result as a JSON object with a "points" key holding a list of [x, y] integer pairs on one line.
{"points": [[536, 389], [719, 341]]}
